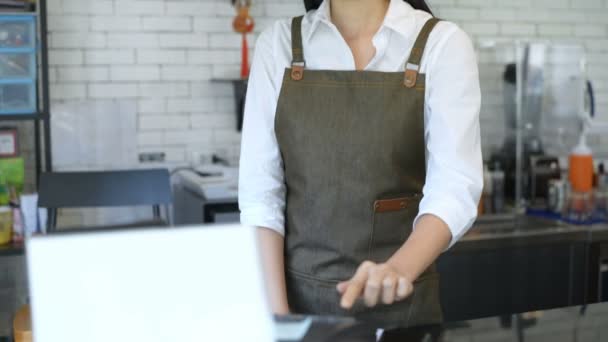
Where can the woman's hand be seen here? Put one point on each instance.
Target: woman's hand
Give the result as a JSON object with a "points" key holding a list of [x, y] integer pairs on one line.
{"points": [[375, 283]]}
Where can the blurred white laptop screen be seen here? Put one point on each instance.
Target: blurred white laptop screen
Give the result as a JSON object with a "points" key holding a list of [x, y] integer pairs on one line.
{"points": [[175, 284]]}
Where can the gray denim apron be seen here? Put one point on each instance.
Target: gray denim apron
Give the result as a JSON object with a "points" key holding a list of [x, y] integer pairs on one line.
{"points": [[353, 149]]}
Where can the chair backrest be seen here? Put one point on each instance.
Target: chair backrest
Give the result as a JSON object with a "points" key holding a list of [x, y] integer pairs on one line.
{"points": [[105, 188]]}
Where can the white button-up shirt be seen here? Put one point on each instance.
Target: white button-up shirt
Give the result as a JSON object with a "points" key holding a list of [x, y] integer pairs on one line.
{"points": [[454, 165]]}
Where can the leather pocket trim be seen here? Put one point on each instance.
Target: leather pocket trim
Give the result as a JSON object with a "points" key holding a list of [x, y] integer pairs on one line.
{"points": [[390, 207], [395, 204]]}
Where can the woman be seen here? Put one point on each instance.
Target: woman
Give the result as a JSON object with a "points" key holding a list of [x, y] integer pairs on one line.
{"points": [[361, 159]]}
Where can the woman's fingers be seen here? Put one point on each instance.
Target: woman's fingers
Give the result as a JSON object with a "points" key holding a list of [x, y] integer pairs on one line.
{"points": [[389, 285], [373, 288], [341, 287], [376, 283], [356, 285], [404, 288]]}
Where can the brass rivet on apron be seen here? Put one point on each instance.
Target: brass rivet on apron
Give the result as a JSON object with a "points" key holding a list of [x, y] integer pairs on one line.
{"points": [[297, 71], [410, 78], [296, 75]]}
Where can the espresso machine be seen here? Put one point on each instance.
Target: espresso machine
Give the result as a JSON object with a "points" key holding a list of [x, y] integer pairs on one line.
{"points": [[545, 91], [536, 167]]}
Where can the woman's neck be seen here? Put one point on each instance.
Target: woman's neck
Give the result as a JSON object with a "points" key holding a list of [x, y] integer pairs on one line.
{"points": [[355, 18]]}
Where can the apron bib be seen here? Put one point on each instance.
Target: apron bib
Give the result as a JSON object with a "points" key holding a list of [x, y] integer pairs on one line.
{"points": [[353, 150]]}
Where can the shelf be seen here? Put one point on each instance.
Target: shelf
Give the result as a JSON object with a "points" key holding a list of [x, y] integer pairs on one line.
{"points": [[19, 13], [22, 117], [31, 24], [23, 49]]}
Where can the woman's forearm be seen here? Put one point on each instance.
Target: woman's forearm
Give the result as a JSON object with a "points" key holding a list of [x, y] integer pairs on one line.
{"points": [[428, 240], [273, 261]]}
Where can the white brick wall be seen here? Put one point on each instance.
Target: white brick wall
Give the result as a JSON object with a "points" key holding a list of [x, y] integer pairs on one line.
{"points": [[164, 53]]}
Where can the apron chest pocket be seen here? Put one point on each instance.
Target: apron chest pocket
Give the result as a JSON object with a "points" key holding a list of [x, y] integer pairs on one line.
{"points": [[391, 226]]}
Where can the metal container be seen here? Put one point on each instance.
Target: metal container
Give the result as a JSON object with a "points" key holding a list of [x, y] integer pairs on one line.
{"points": [[557, 195]]}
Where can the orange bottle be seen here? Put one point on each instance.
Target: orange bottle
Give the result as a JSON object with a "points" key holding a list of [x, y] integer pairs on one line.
{"points": [[581, 168]]}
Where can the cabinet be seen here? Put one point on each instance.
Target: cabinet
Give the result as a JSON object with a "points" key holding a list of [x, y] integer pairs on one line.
{"points": [[24, 91]]}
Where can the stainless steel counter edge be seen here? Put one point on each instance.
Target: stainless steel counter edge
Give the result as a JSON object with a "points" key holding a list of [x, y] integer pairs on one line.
{"points": [[484, 237]]}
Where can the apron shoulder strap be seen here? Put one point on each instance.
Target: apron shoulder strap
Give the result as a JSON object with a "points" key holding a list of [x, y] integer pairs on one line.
{"points": [[413, 63], [297, 51]]}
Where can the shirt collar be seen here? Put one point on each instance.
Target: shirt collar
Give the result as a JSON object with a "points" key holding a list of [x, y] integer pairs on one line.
{"points": [[321, 14], [399, 18]]}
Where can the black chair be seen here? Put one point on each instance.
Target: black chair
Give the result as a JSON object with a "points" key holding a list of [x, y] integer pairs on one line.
{"points": [[106, 189]]}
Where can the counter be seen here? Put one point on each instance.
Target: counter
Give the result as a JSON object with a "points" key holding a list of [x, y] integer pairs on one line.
{"points": [[559, 325], [569, 324], [490, 233], [515, 266], [526, 264]]}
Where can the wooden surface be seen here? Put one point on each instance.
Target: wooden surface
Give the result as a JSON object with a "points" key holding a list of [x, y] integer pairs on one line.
{"points": [[22, 325]]}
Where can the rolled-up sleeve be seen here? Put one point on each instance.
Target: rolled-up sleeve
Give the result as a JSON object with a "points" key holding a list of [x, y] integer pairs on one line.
{"points": [[454, 178], [261, 176]]}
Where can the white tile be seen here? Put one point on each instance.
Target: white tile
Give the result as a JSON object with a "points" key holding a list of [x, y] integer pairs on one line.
{"points": [[110, 56], [64, 91], [161, 56], [77, 40], [154, 90], [88, 7], [206, 8], [67, 22], [126, 40], [185, 40], [134, 73], [140, 7], [113, 90], [65, 57], [89, 73], [116, 23], [185, 73], [167, 24], [190, 105]]}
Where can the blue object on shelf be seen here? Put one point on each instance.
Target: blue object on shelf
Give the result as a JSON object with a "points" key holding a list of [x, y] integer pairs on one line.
{"points": [[557, 217], [17, 96], [18, 31], [17, 63]]}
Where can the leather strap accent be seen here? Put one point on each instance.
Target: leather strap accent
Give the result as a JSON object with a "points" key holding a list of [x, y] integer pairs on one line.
{"points": [[413, 63], [297, 63], [411, 75], [396, 204], [297, 72]]}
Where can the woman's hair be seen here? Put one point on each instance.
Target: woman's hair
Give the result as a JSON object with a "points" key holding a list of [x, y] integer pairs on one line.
{"points": [[417, 4]]}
